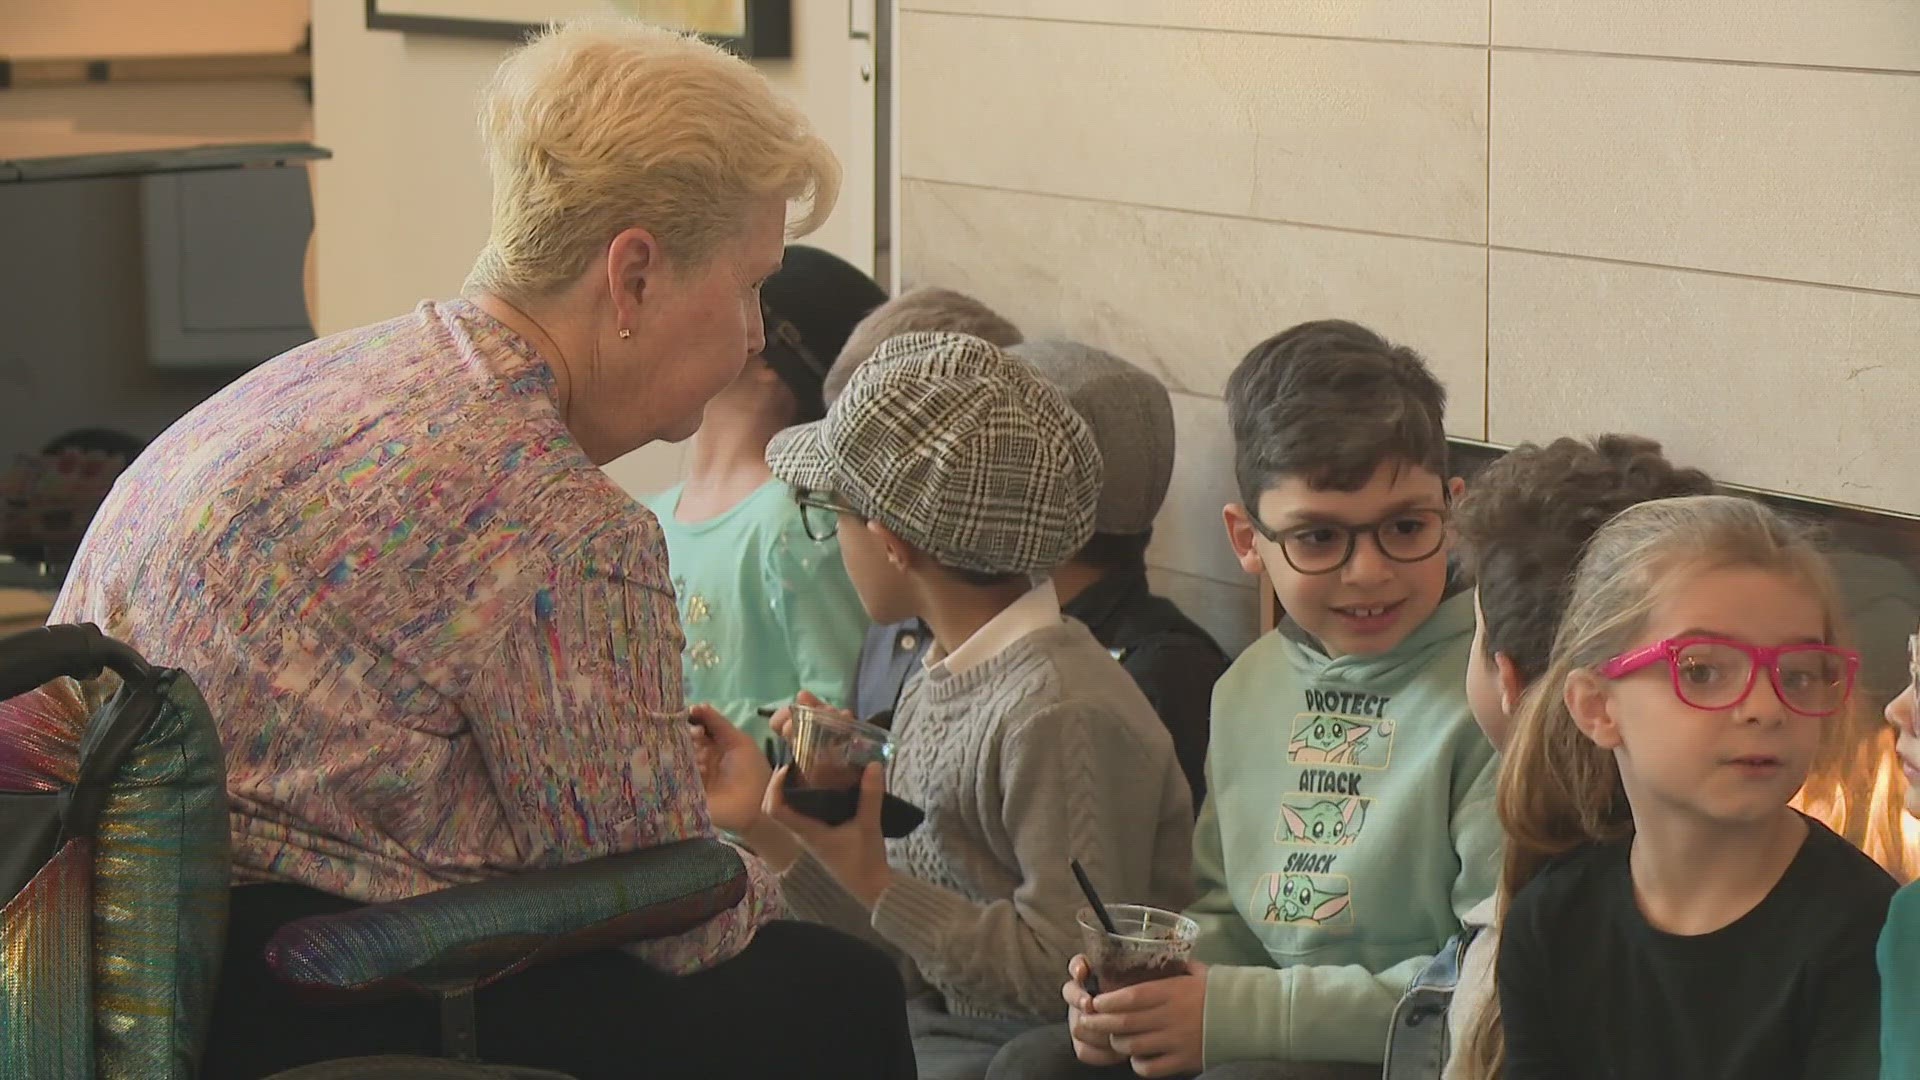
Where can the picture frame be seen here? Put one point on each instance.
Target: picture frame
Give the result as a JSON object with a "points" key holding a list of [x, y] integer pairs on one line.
{"points": [[752, 29]]}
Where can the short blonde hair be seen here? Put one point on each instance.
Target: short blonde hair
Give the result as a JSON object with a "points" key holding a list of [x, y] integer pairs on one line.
{"points": [[601, 125], [928, 309]]}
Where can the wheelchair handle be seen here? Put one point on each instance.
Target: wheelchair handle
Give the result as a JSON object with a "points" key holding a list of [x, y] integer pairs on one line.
{"points": [[33, 658]]}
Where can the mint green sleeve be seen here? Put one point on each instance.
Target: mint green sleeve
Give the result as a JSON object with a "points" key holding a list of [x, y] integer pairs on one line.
{"points": [[1477, 840], [1302, 1013], [818, 612], [1224, 935]]}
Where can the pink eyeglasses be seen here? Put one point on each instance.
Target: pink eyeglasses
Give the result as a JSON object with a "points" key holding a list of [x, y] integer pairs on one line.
{"points": [[1714, 674]]}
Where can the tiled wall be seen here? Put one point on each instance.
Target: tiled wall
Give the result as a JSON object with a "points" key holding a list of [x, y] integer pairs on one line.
{"points": [[1696, 219]]}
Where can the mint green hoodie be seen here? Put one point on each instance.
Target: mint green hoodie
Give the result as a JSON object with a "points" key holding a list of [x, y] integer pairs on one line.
{"points": [[1349, 826]]}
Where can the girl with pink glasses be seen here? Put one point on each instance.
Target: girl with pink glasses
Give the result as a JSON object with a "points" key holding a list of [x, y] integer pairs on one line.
{"points": [[1666, 912]]}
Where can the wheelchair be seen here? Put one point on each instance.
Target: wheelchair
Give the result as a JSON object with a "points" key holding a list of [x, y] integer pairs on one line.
{"points": [[114, 875]]}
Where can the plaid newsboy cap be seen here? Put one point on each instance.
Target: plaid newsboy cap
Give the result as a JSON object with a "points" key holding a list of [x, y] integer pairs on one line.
{"points": [[959, 448]]}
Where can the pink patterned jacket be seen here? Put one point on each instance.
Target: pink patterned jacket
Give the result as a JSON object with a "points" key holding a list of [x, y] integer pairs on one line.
{"points": [[440, 643]]}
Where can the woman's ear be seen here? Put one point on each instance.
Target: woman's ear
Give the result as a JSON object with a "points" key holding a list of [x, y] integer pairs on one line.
{"points": [[1241, 534], [1589, 700], [633, 255]]}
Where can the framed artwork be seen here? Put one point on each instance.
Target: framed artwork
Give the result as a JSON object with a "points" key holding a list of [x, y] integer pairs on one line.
{"points": [[750, 28]]}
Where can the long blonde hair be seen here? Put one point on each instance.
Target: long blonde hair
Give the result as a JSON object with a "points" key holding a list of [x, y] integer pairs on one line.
{"points": [[1558, 790]]}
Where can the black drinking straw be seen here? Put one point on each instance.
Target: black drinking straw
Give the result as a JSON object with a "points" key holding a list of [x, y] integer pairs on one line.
{"points": [[1099, 909], [1092, 982]]}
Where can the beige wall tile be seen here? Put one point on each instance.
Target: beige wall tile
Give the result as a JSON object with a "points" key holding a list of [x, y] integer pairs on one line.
{"points": [[649, 470], [1231, 613], [1185, 295], [1836, 33], [1786, 387], [1777, 172], [1189, 535], [1360, 135], [1394, 20]]}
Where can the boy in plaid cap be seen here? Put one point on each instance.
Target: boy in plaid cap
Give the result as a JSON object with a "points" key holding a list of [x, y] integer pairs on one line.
{"points": [[892, 652], [952, 473]]}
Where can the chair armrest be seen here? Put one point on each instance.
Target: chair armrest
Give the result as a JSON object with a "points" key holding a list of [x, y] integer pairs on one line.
{"points": [[472, 935]]}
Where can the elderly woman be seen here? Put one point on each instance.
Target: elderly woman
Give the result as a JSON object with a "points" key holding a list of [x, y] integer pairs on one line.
{"points": [[440, 642]]}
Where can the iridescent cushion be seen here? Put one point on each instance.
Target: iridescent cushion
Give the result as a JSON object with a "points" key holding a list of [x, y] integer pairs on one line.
{"points": [[477, 933], [108, 956]]}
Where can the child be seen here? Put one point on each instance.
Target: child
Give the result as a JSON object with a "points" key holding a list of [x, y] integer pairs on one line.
{"points": [[766, 607], [928, 309], [1667, 913], [891, 653], [1521, 526], [953, 473], [1104, 585], [1899, 948], [1349, 818]]}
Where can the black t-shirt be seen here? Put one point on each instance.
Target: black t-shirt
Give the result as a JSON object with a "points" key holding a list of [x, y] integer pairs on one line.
{"points": [[1589, 990]]}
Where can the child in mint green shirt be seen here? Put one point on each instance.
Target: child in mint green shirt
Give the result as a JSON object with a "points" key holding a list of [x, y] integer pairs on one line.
{"points": [[1899, 951], [766, 608]]}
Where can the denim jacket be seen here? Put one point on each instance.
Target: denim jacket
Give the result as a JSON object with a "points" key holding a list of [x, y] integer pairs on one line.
{"points": [[1418, 1043]]}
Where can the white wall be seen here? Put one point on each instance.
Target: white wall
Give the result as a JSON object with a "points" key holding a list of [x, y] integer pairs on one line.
{"points": [[402, 208], [91, 119], [71, 285], [1694, 219]]}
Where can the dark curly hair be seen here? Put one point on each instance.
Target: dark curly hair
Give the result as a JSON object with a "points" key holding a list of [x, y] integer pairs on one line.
{"points": [[1527, 516]]}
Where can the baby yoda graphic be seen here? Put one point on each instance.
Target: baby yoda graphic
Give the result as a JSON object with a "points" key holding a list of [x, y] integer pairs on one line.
{"points": [[1306, 899], [1328, 740], [1324, 823]]}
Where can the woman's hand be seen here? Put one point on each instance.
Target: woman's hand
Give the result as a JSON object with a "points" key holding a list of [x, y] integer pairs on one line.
{"points": [[734, 770], [782, 722]]}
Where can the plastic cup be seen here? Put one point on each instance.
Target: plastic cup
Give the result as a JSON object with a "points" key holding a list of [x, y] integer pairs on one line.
{"points": [[831, 750], [1151, 943]]}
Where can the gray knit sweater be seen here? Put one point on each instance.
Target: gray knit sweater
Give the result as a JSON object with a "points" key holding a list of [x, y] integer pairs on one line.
{"points": [[1041, 754]]}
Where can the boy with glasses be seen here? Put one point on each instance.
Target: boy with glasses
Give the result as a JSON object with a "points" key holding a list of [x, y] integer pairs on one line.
{"points": [[1349, 820]]}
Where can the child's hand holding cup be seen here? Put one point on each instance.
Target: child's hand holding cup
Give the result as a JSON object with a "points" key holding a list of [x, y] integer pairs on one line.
{"points": [[830, 751]]}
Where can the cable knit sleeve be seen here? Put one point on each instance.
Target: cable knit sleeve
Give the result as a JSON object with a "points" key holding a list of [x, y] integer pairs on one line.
{"points": [[1060, 783]]}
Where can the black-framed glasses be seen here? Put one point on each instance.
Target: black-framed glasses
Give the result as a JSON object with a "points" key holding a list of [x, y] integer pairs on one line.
{"points": [[819, 514], [1409, 536]]}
